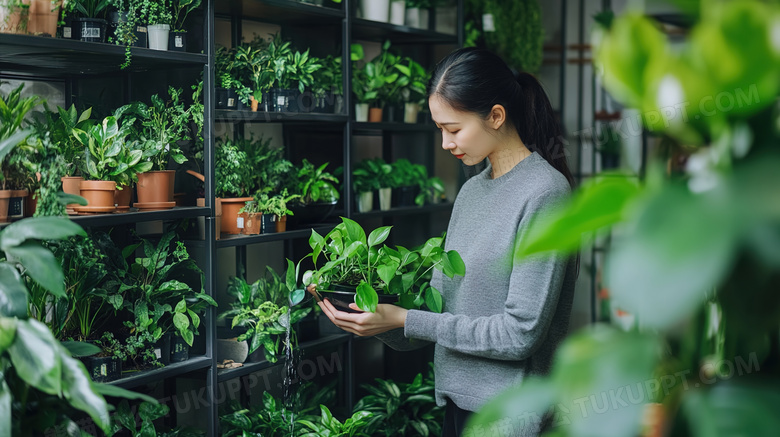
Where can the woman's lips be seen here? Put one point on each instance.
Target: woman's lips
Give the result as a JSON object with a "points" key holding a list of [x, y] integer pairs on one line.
{"points": [[460, 156]]}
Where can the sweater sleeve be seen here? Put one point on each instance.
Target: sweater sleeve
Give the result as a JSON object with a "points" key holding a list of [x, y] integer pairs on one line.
{"points": [[516, 333]]}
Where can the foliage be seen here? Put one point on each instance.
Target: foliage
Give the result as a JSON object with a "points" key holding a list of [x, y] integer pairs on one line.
{"points": [[329, 78], [164, 124], [313, 184], [377, 81], [413, 81], [126, 418], [518, 35], [406, 174], [263, 308], [13, 109], [158, 11], [181, 9], [696, 260], [41, 386], [157, 295], [431, 189], [232, 174], [330, 426], [228, 72], [86, 8], [275, 205], [404, 408], [246, 165], [60, 126], [371, 175], [352, 259]]}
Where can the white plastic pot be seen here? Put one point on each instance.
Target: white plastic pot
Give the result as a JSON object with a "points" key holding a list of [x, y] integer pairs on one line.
{"points": [[385, 198], [410, 112], [158, 36], [361, 112], [398, 12], [365, 201], [413, 17], [375, 10]]}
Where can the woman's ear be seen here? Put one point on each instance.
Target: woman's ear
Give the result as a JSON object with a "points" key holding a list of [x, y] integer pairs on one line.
{"points": [[497, 117]]}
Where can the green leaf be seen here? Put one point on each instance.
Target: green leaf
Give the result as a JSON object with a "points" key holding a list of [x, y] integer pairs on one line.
{"points": [[387, 271], [13, 293], [40, 265], [734, 407], [38, 228], [366, 297], [291, 280], [378, 235], [80, 349], [65, 199], [297, 296], [7, 332], [35, 356], [113, 391], [456, 262], [354, 231], [77, 389], [521, 405], [649, 270], [433, 300], [181, 322], [195, 318], [6, 411]]}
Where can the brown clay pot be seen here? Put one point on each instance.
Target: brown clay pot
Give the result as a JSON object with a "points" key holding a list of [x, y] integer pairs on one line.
{"points": [[253, 103], [30, 205], [99, 195], [281, 223], [43, 17], [5, 200], [155, 186], [13, 21], [375, 114], [70, 185], [230, 209], [252, 223], [123, 197]]}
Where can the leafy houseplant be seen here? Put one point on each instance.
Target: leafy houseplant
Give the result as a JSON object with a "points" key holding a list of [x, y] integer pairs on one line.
{"points": [[13, 109], [329, 425], [90, 24], [314, 184], [263, 310], [407, 179], [165, 123], [351, 259]]}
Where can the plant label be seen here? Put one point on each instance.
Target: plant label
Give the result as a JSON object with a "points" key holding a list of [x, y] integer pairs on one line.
{"points": [[487, 23], [240, 223]]}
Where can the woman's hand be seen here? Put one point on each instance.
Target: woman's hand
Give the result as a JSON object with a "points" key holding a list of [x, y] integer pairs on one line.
{"points": [[364, 324]]}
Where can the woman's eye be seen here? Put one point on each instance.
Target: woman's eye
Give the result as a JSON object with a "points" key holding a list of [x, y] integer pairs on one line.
{"points": [[455, 131]]}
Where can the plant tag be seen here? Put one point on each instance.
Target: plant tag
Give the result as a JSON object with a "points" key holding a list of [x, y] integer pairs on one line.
{"points": [[90, 32], [487, 23], [141, 29], [240, 223], [67, 32], [103, 370], [178, 41], [231, 101], [158, 353]]}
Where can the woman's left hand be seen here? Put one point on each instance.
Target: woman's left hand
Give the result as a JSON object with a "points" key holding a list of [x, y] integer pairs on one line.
{"points": [[366, 324]]}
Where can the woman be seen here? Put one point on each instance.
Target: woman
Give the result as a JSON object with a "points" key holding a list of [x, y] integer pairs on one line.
{"points": [[503, 319]]}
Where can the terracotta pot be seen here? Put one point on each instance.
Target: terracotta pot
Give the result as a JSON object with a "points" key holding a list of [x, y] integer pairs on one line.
{"points": [[281, 223], [13, 20], [99, 194], [230, 209], [70, 185], [5, 200], [253, 103], [30, 205], [155, 186], [375, 115], [123, 197], [252, 222], [43, 17]]}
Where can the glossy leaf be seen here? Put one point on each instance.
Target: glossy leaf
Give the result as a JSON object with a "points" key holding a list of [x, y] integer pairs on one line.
{"points": [[38, 228], [379, 235], [433, 300], [13, 293], [366, 297], [40, 265], [80, 348], [735, 407], [77, 389], [291, 279], [7, 332], [387, 271], [36, 357]]}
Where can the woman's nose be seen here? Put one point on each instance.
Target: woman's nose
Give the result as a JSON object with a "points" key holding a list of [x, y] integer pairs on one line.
{"points": [[448, 145]]}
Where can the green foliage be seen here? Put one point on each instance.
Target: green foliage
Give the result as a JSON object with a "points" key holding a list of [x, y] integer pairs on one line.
{"points": [[413, 81], [518, 36], [246, 165], [263, 309], [378, 81], [351, 258], [232, 174], [371, 174], [182, 8], [13, 109], [164, 123], [404, 408], [86, 8], [126, 419], [275, 205], [313, 184]]}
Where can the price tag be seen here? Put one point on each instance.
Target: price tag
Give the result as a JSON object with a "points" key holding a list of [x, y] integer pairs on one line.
{"points": [[487, 23], [67, 32], [178, 41], [240, 223]]}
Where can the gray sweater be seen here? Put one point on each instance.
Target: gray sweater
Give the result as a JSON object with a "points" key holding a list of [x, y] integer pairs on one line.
{"points": [[503, 319]]}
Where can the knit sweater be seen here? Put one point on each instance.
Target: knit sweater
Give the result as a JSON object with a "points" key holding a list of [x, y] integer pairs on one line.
{"points": [[501, 321]]}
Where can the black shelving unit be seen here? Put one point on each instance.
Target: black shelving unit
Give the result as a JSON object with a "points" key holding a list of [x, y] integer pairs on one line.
{"points": [[116, 219], [171, 370]]}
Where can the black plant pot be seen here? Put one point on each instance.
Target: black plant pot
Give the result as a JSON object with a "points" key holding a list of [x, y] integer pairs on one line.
{"points": [[305, 102], [180, 350], [103, 369], [393, 114], [177, 40], [268, 223], [404, 196], [226, 98], [89, 29], [343, 295], [609, 160], [141, 36], [309, 214], [162, 349]]}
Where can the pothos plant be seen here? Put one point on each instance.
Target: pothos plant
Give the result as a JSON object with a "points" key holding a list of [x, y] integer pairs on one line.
{"points": [[275, 204], [351, 258], [266, 309], [313, 183]]}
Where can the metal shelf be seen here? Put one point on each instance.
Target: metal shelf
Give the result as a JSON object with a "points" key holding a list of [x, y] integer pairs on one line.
{"points": [[148, 376], [244, 240], [377, 31], [284, 12], [67, 57], [247, 368], [238, 116], [145, 216], [368, 128], [407, 210]]}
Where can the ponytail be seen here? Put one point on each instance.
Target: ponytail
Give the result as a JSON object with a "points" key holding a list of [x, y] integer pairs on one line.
{"points": [[474, 80]]}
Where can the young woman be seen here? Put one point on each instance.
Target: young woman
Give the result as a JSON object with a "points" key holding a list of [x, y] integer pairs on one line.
{"points": [[502, 320]]}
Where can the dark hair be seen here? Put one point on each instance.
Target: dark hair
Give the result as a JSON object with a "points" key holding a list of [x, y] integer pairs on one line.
{"points": [[473, 80]]}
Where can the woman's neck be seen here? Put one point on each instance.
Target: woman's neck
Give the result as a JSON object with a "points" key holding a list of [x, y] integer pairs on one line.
{"points": [[507, 156]]}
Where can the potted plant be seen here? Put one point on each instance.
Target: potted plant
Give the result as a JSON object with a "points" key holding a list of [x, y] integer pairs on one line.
{"points": [[159, 16], [44, 15], [274, 210], [327, 88], [163, 125], [89, 24], [232, 182], [13, 109], [357, 268], [406, 181], [250, 61], [318, 194], [178, 35], [432, 190], [301, 68], [261, 310], [361, 86], [376, 173], [14, 16], [229, 88], [375, 10], [412, 92], [127, 26], [397, 12], [418, 13], [364, 183]]}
